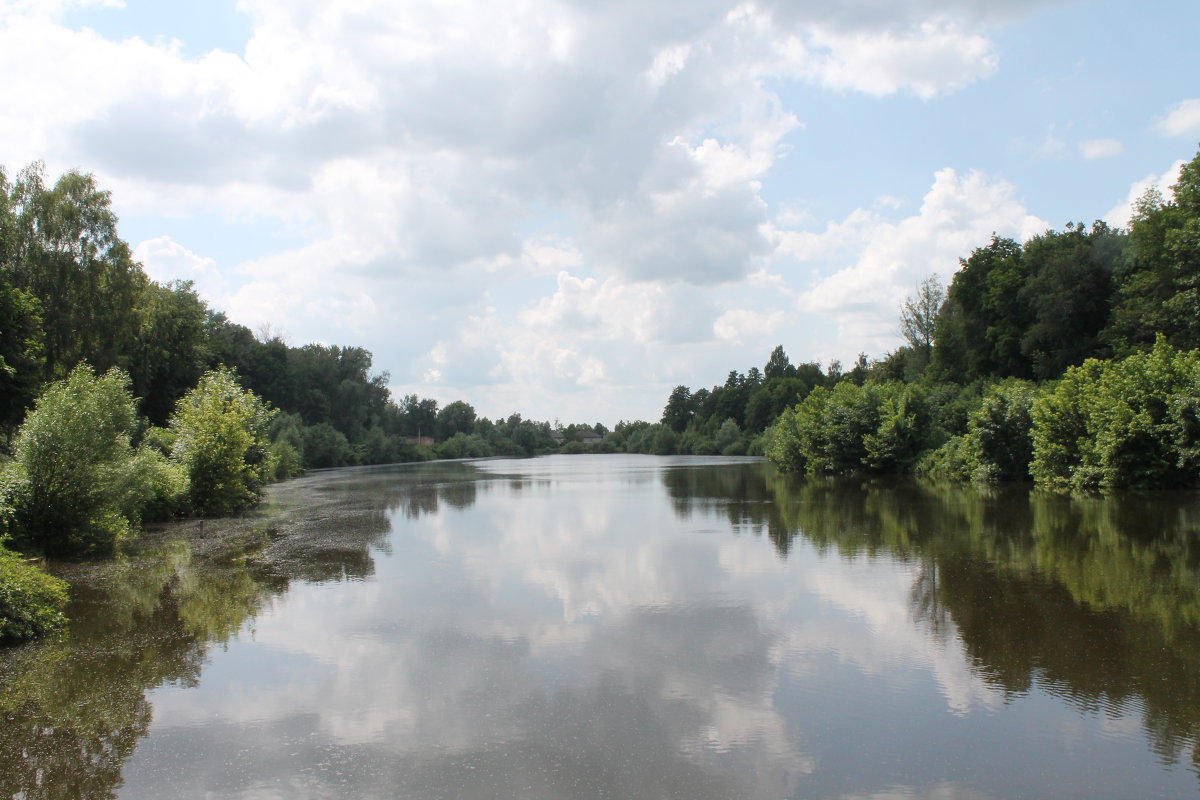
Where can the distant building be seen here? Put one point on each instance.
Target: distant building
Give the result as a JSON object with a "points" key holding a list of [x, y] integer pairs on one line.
{"points": [[584, 434], [425, 440]]}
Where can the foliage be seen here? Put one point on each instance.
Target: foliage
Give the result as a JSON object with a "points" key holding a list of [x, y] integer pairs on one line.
{"points": [[221, 444], [918, 315], [31, 602], [76, 485], [464, 445], [1132, 422], [21, 352], [877, 427], [997, 443]]}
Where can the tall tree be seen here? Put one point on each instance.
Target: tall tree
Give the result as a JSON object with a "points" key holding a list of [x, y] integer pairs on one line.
{"points": [[64, 249], [918, 315], [679, 410]]}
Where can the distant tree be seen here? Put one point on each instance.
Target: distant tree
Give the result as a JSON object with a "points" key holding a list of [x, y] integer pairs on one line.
{"points": [[456, 417], [778, 365], [1068, 292], [679, 410], [983, 319]]}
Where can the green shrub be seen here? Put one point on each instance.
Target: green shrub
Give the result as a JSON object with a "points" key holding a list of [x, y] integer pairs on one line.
{"points": [[326, 446], [469, 445], [286, 460], [880, 427], [31, 602], [1131, 422], [75, 484], [1000, 431], [221, 444]]}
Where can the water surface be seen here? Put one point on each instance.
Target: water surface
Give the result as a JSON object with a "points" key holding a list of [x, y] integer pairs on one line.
{"points": [[626, 627]]}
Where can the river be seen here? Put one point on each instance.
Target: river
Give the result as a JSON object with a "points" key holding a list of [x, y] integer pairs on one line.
{"points": [[625, 627]]}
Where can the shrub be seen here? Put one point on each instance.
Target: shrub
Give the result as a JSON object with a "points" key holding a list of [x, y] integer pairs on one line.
{"points": [[881, 427], [468, 445], [1131, 422], [75, 484], [31, 602], [221, 444]]}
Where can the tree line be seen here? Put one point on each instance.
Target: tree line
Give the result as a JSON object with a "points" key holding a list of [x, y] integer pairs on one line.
{"points": [[1070, 360]]}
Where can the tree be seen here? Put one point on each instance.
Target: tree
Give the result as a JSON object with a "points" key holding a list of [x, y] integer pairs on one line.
{"points": [[64, 249], [75, 484], [172, 347], [918, 315], [222, 444], [456, 417], [982, 321], [778, 365], [678, 411], [21, 347]]}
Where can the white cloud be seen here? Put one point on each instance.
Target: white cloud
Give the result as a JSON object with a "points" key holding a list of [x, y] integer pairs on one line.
{"points": [[431, 163], [1100, 148], [958, 214], [164, 260], [927, 60], [1120, 214], [1182, 120]]}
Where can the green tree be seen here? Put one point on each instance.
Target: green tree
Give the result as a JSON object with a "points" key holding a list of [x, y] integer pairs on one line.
{"points": [[75, 484], [1068, 293], [454, 418], [21, 359], [221, 443], [678, 411], [919, 312], [64, 249], [778, 365], [1158, 284], [982, 322], [172, 347]]}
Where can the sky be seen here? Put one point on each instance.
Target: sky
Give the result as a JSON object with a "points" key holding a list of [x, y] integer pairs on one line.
{"points": [[565, 208]]}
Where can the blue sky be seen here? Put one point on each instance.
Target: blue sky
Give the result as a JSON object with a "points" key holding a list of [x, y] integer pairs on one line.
{"points": [[566, 208]]}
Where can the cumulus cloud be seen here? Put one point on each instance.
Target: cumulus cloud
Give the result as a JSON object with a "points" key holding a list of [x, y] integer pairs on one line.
{"points": [[889, 259], [1182, 120], [1120, 214], [165, 260], [422, 156]]}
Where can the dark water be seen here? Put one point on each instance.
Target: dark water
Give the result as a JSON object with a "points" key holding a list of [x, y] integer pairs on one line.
{"points": [[626, 627]]}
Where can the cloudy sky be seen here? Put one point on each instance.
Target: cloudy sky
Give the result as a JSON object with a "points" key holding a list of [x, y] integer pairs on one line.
{"points": [[564, 207]]}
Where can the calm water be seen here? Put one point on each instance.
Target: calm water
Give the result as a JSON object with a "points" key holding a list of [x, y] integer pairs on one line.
{"points": [[626, 627]]}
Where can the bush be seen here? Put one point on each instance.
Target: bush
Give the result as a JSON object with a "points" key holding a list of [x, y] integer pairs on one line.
{"points": [[464, 445], [880, 427], [75, 484], [31, 602], [326, 446], [1110, 424], [1001, 431], [221, 444]]}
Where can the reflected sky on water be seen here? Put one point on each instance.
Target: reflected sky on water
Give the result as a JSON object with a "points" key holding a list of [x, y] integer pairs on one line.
{"points": [[626, 627]]}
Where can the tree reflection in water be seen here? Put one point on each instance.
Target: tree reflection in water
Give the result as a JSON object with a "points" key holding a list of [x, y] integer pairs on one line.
{"points": [[1096, 599], [74, 707]]}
